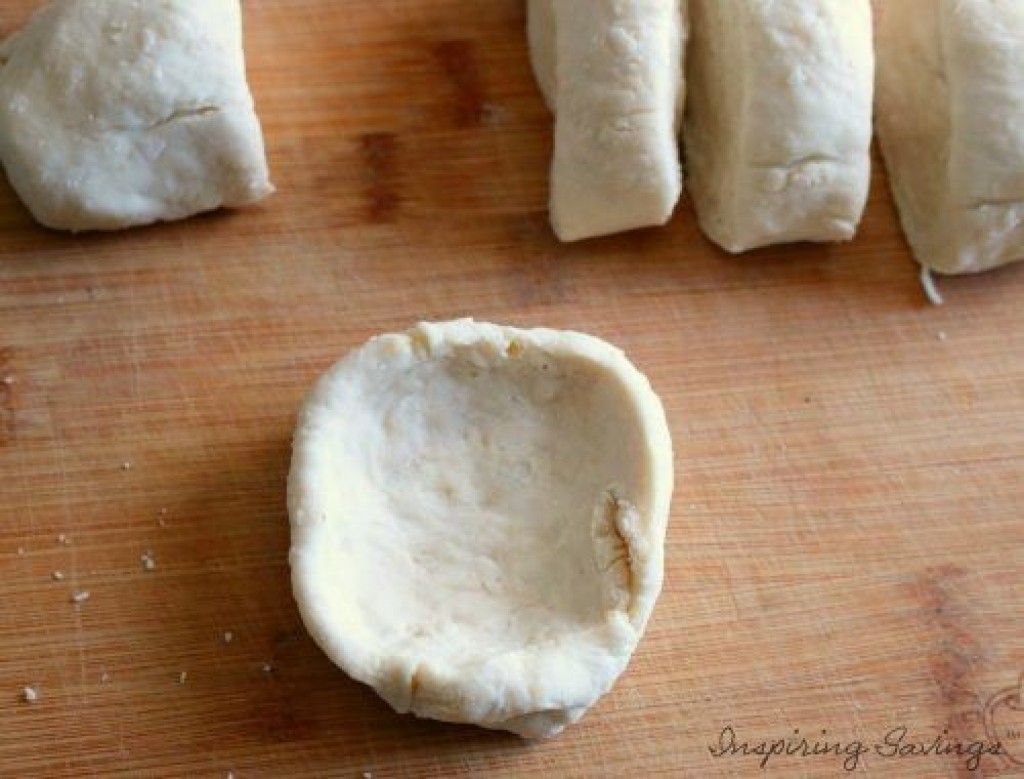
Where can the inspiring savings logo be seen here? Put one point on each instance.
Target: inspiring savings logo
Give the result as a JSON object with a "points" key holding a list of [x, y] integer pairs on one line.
{"points": [[987, 738], [1004, 722]]}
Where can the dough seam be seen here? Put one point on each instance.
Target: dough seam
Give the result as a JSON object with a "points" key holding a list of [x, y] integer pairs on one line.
{"points": [[610, 529], [803, 162], [743, 138], [177, 115], [958, 217]]}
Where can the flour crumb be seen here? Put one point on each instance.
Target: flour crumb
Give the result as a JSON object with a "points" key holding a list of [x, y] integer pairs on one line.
{"points": [[148, 561], [58, 576], [228, 636], [126, 465], [267, 668], [30, 694], [493, 115], [183, 677], [941, 335], [104, 677], [81, 596], [7, 381], [367, 775], [63, 540]]}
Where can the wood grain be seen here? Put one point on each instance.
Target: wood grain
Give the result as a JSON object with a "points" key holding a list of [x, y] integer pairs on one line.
{"points": [[847, 537]]}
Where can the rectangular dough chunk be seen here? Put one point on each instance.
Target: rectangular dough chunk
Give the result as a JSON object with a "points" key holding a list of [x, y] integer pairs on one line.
{"points": [[116, 113], [778, 120], [618, 92], [951, 124]]}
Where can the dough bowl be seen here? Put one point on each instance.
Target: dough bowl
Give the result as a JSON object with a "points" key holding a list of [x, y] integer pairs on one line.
{"points": [[478, 517]]}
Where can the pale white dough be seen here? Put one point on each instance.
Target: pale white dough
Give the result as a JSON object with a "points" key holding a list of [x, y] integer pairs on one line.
{"points": [[478, 517], [116, 113], [618, 93], [778, 121], [951, 125], [540, 15]]}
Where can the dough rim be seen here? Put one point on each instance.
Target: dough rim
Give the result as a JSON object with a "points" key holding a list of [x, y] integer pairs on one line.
{"points": [[525, 692]]}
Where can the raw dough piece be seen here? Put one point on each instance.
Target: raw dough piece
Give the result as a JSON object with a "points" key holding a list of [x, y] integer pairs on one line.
{"points": [[951, 126], [478, 516], [540, 15], [618, 87], [778, 120], [116, 113]]}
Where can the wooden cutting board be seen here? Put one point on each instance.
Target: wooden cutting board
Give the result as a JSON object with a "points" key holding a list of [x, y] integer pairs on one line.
{"points": [[847, 537]]}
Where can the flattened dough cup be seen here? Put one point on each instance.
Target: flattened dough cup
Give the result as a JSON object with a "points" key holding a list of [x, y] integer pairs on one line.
{"points": [[478, 517]]}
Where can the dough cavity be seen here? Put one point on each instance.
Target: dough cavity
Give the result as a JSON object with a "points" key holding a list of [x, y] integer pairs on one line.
{"points": [[116, 113], [478, 517]]}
